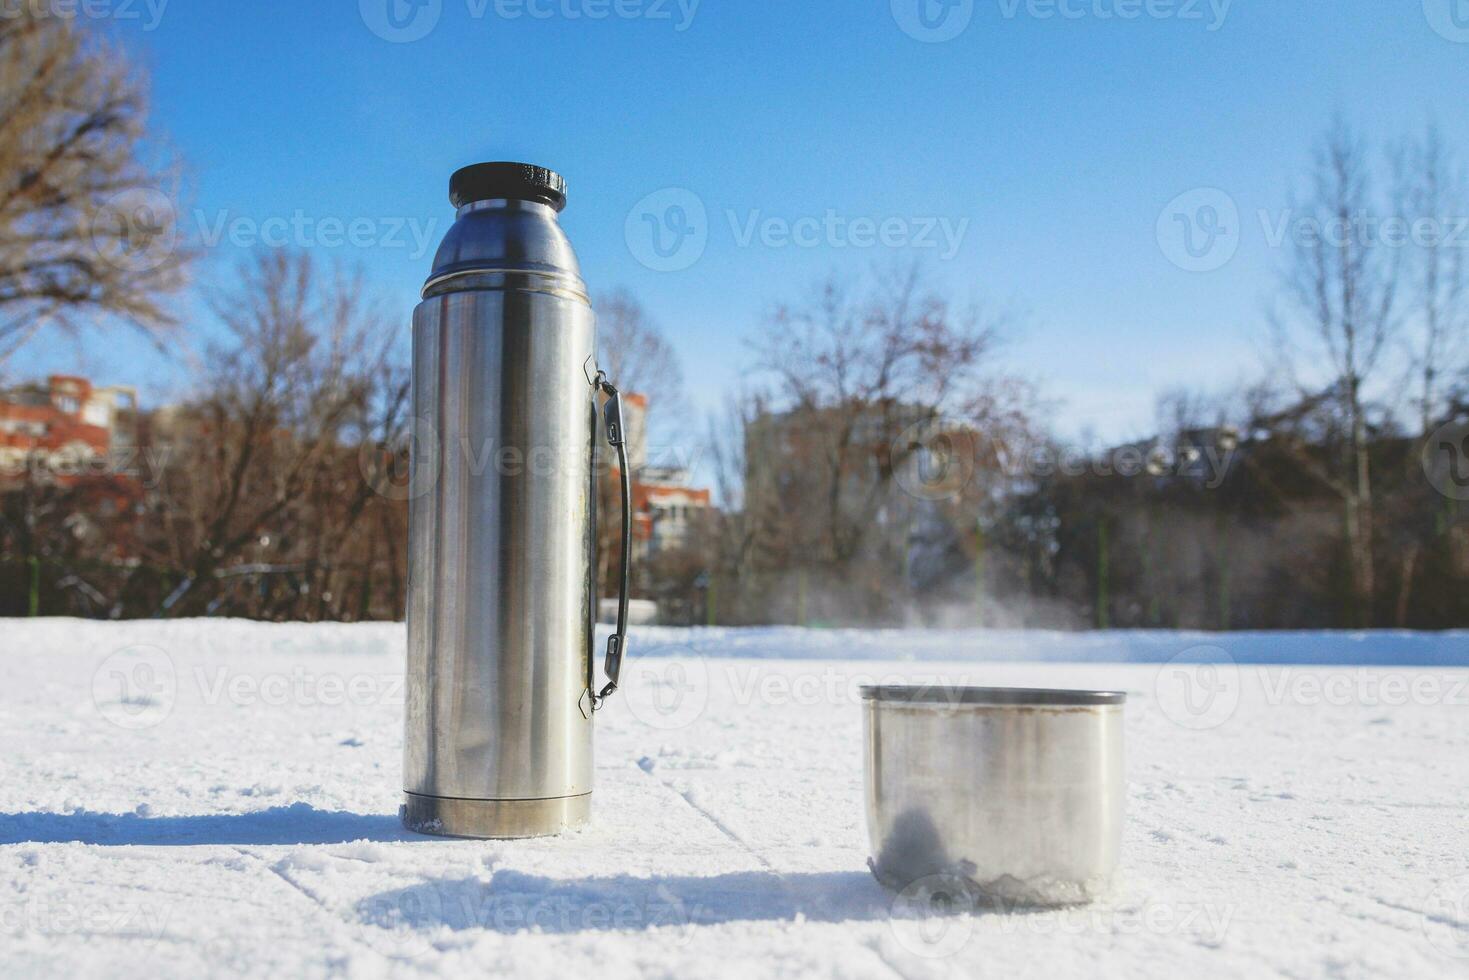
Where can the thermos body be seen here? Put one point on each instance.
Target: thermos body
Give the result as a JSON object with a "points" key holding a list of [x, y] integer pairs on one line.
{"points": [[498, 736]]}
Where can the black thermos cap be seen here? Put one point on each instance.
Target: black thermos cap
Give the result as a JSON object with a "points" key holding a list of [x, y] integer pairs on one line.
{"points": [[515, 181]]}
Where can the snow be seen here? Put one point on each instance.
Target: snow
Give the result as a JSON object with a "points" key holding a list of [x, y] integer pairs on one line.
{"points": [[200, 797]]}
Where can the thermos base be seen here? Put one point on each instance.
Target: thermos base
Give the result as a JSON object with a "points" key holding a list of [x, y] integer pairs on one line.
{"points": [[498, 819]]}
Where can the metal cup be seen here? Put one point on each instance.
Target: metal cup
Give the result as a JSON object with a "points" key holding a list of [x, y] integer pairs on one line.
{"points": [[1015, 794]]}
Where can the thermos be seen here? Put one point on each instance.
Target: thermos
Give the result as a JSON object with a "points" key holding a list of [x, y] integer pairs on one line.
{"points": [[502, 527]]}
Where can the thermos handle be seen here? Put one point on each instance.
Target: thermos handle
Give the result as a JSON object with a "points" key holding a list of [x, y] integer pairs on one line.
{"points": [[617, 437]]}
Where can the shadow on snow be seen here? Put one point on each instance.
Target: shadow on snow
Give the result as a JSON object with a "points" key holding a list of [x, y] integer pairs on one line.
{"points": [[299, 823], [512, 901]]}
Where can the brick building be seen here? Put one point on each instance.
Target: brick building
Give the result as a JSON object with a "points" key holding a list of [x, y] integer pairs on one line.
{"points": [[63, 429], [666, 510]]}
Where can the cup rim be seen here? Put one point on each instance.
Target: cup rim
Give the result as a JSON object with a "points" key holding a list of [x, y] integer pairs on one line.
{"points": [[939, 693]]}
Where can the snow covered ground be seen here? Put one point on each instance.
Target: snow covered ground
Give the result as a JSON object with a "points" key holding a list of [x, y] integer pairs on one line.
{"points": [[218, 797]]}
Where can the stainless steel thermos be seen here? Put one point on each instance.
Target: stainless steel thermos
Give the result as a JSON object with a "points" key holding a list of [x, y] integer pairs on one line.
{"points": [[502, 527]]}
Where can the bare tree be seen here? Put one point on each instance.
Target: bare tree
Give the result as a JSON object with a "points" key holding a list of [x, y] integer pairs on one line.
{"points": [[1341, 287], [87, 223], [633, 351], [1431, 191], [268, 472], [854, 369]]}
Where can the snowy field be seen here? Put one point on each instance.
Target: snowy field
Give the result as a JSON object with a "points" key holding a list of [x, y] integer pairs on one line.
{"points": [[201, 798]]}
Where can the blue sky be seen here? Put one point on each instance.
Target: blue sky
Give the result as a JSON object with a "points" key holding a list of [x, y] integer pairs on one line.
{"points": [[1051, 133]]}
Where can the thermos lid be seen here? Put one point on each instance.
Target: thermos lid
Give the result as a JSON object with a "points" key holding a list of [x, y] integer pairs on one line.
{"points": [[514, 181]]}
